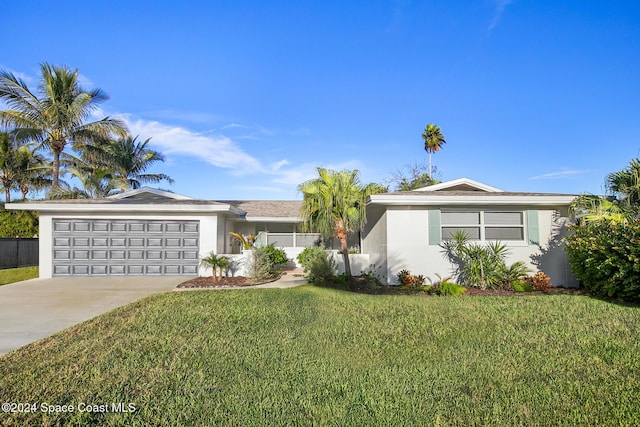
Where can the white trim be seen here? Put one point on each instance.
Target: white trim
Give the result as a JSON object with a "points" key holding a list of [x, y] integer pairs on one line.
{"points": [[437, 200], [154, 191], [461, 181], [68, 208]]}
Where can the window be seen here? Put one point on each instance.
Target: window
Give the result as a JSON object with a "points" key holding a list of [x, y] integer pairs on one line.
{"points": [[484, 225]]}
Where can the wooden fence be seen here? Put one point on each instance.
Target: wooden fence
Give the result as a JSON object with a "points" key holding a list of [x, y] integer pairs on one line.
{"points": [[18, 253]]}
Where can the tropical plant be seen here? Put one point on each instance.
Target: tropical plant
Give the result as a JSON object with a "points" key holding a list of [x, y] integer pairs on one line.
{"points": [[482, 265], [97, 182], [261, 266], [215, 262], [433, 141], [246, 241], [277, 255], [319, 267], [56, 116], [334, 205], [128, 159], [588, 208], [605, 257], [625, 185]]}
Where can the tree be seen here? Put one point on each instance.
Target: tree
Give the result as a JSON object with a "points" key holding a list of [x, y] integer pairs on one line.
{"points": [[128, 159], [433, 141], [625, 185], [412, 177], [8, 164], [97, 182], [57, 116], [334, 204]]}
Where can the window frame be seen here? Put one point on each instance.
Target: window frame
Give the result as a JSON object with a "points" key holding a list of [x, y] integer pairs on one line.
{"points": [[482, 225]]}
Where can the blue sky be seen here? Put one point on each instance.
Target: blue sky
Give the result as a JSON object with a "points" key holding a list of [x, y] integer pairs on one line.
{"points": [[246, 98]]}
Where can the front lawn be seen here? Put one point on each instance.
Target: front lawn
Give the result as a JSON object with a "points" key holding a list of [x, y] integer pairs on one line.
{"points": [[12, 275], [313, 356]]}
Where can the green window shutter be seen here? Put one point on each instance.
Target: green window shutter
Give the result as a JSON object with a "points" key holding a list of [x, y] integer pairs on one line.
{"points": [[533, 229], [435, 232]]}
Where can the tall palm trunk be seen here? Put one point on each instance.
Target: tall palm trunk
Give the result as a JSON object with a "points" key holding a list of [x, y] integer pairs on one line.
{"points": [[341, 234], [7, 195]]}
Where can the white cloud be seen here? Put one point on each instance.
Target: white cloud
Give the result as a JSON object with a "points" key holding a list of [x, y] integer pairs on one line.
{"points": [[559, 174], [501, 5], [218, 151]]}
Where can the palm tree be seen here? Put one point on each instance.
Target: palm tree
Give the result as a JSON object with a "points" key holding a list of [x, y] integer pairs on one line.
{"points": [[97, 182], [8, 164], [57, 117], [128, 159], [334, 204], [433, 141], [34, 170], [625, 184], [215, 262]]}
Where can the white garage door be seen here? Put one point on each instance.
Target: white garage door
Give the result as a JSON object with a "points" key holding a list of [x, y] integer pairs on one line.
{"points": [[88, 247]]}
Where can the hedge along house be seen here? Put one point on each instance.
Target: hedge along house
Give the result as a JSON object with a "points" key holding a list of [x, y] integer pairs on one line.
{"points": [[153, 232], [405, 230]]}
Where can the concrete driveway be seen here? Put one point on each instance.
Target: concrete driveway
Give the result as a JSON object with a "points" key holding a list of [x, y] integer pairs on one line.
{"points": [[37, 308]]}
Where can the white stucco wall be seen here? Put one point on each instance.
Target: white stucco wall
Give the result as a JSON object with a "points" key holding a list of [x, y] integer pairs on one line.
{"points": [[374, 239], [407, 233], [208, 232]]}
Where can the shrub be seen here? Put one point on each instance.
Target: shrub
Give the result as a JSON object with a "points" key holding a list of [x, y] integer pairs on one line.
{"points": [[406, 279], [605, 257], [18, 224], [522, 286], [318, 267], [539, 282], [261, 266], [450, 288], [277, 255]]}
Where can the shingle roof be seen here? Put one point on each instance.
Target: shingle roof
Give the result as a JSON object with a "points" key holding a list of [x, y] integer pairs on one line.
{"points": [[268, 208]]}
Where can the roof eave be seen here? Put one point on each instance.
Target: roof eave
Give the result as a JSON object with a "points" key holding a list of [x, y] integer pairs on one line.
{"points": [[434, 200], [134, 208]]}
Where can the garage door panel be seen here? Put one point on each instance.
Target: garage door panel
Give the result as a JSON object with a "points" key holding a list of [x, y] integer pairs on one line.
{"points": [[135, 270], [80, 255], [118, 227], [117, 255], [136, 255], [62, 270], [124, 247], [81, 242], [80, 269], [100, 226], [80, 226], [117, 270], [189, 270]]}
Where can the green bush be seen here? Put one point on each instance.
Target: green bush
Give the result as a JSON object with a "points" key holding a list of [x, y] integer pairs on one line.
{"points": [[522, 286], [262, 267], [277, 255], [18, 224], [450, 288], [318, 267], [605, 257]]}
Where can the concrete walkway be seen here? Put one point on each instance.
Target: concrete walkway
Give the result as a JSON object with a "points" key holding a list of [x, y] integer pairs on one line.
{"points": [[37, 308]]}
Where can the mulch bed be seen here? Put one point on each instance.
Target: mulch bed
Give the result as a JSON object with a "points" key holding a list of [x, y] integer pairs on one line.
{"points": [[224, 282]]}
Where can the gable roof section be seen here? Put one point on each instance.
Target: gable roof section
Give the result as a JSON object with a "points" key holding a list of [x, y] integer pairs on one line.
{"points": [[461, 184], [149, 193]]}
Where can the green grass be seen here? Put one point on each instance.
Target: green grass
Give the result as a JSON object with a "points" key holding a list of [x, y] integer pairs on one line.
{"points": [[12, 275], [313, 356]]}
